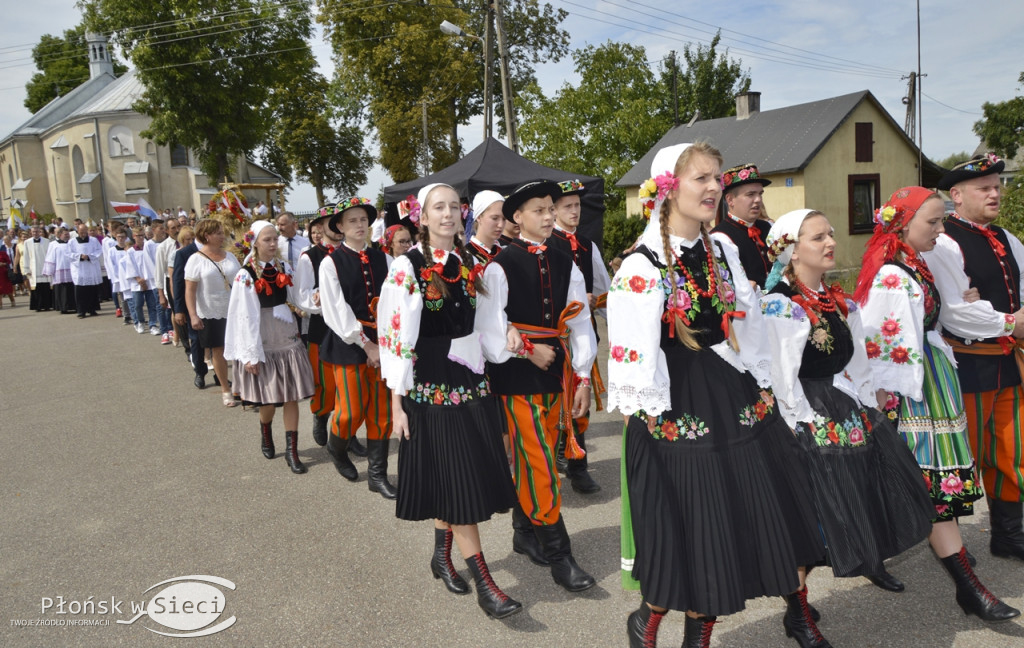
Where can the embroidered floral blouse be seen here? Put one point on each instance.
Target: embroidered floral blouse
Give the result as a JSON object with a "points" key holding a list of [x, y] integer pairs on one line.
{"points": [[242, 341]]}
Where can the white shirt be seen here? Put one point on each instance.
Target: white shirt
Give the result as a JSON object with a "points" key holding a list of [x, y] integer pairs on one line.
{"points": [[213, 293], [299, 243]]}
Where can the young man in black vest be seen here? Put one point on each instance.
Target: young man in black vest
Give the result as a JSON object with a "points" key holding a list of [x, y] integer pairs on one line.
{"points": [[350, 281], [536, 332], [745, 226], [985, 336]]}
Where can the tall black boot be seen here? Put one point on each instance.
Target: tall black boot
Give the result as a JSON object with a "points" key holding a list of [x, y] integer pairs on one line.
{"points": [[441, 563], [971, 595], [561, 462], [377, 469], [320, 429], [799, 624], [642, 627], [697, 633], [524, 540], [489, 596], [291, 453], [576, 471], [338, 448], [1007, 535], [355, 447], [267, 443], [554, 542]]}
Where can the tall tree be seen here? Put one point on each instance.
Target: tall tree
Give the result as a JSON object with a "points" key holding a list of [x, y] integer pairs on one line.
{"points": [[63, 64], [1002, 129], [208, 67], [708, 81], [603, 125], [953, 160], [395, 59]]}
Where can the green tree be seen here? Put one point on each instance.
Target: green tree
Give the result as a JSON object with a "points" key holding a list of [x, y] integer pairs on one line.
{"points": [[707, 82], [1011, 209], [392, 59], [954, 159], [63, 64], [602, 125], [1002, 129], [208, 67]]}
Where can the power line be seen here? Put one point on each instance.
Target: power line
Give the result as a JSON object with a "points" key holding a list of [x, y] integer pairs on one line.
{"points": [[966, 112]]}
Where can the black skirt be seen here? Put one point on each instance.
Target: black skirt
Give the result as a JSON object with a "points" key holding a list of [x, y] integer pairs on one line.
{"points": [[871, 501], [453, 466], [211, 336], [719, 501]]}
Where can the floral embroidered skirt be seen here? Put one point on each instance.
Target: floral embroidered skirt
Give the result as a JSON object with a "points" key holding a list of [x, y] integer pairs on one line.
{"points": [[453, 467], [716, 503], [935, 429], [871, 501]]}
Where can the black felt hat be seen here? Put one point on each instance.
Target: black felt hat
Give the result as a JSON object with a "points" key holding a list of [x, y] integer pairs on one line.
{"points": [[977, 167], [535, 189], [741, 175], [351, 203]]}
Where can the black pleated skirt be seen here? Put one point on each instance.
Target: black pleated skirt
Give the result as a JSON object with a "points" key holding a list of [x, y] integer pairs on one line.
{"points": [[720, 510], [453, 466], [871, 501]]}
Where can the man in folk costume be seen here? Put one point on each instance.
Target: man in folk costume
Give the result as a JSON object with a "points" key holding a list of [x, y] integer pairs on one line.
{"points": [[322, 341], [534, 320], [84, 252], [350, 282], [975, 254], [744, 226], [584, 253], [41, 297]]}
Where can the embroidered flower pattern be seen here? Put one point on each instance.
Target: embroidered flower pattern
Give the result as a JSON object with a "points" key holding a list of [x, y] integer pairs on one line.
{"points": [[821, 336], [893, 281], [441, 394], [402, 279], [853, 431], [953, 491], [392, 343], [1009, 321], [686, 426], [889, 344], [622, 354], [755, 412], [783, 308], [634, 284]]}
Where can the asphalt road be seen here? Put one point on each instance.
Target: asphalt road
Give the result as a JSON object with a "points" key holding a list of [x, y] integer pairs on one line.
{"points": [[118, 475]]}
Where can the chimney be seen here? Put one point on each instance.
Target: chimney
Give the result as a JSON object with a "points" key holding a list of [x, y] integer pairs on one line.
{"points": [[748, 104], [99, 56]]}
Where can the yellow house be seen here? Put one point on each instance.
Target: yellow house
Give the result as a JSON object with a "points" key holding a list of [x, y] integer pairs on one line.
{"points": [[843, 156], [85, 150]]}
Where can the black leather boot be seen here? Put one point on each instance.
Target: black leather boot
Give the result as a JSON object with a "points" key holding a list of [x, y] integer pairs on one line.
{"points": [[554, 542], [291, 453], [491, 599], [971, 595], [561, 462], [799, 624], [338, 448], [576, 471], [441, 563], [377, 469], [524, 540], [356, 447], [642, 627], [1007, 535], [320, 429], [885, 580], [267, 445], [697, 633]]}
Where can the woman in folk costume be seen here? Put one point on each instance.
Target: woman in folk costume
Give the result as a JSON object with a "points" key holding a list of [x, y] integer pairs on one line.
{"points": [[868, 491], [488, 223], [451, 464], [915, 370], [717, 505], [261, 337]]}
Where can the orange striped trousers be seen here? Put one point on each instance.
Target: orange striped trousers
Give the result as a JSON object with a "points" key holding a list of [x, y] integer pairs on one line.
{"points": [[994, 425], [323, 378], [533, 433], [361, 396]]}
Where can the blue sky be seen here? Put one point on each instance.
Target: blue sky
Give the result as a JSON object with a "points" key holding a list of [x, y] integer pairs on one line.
{"points": [[796, 51]]}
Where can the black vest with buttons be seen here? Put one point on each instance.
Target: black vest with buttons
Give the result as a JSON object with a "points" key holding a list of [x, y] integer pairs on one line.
{"points": [[360, 283], [317, 326], [753, 258], [583, 256], [538, 288], [998, 281], [278, 294]]}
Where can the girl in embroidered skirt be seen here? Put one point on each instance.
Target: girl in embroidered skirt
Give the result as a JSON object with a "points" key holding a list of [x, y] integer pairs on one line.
{"points": [[870, 498], [915, 370], [261, 337], [451, 464], [715, 505]]}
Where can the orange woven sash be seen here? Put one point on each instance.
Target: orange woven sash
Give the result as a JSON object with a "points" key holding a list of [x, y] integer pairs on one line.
{"points": [[1004, 347]]}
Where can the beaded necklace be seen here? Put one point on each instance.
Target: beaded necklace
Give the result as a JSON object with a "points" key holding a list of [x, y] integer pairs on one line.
{"points": [[712, 288], [814, 299]]}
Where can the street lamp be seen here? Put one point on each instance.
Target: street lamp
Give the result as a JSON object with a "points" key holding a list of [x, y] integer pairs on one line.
{"points": [[454, 30]]}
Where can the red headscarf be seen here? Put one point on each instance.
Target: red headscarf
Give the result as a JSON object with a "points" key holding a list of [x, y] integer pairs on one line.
{"points": [[389, 235], [885, 243]]}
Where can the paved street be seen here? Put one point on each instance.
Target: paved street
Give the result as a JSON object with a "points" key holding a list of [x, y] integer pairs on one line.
{"points": [[118, 475]]}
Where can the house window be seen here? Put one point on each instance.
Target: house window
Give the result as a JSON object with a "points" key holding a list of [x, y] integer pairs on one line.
{"points": [[864, 200], [179, 155], [864, 142]]}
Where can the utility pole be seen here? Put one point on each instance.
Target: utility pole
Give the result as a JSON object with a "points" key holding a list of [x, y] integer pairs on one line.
{"points": [[920, 125], [488, 73], [675, 89], [506, 82], [910, 124], [426, 142]]}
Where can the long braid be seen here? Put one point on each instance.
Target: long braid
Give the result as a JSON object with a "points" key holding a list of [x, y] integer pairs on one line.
{"points": [[470, 262], [685, 333], [731, 334]]}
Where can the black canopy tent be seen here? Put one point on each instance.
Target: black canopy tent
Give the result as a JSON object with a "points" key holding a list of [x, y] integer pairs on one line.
{"points": [[492, 165]]}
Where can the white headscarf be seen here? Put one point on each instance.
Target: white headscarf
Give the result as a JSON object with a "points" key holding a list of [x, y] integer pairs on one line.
{"points": [[258, 226], [664, 162], [781, 239], [421, 197]]}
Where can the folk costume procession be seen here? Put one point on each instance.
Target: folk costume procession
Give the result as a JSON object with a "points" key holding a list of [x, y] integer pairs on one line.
{"points": [[772, 423]]}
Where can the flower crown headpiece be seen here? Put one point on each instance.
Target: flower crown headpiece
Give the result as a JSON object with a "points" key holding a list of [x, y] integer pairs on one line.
{"points": [[979, 164], [410, 207], [739, 174], [656, 189], [570, 185], [776, 247], [886, 214]]}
